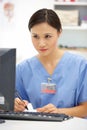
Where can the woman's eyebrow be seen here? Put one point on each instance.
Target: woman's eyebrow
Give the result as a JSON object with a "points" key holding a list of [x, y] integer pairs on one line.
{"points": [[43, 34]]}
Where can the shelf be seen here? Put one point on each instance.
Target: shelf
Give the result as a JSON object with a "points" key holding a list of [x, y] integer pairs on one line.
{"points": [[74, 28], [74, 35], [81, 7], [71, 3]]}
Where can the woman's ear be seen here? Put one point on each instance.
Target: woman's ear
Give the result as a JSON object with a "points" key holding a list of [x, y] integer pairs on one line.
{"points": [[59, 32]]}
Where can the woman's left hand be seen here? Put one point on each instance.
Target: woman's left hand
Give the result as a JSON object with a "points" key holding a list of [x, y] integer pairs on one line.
{"points": [[50, 108]]}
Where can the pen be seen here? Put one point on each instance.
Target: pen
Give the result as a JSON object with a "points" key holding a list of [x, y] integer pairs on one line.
{"points": [[18, 95]]}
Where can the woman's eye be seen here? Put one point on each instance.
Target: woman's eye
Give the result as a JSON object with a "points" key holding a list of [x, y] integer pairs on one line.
{"points": [[36, 36], [47, 36]]}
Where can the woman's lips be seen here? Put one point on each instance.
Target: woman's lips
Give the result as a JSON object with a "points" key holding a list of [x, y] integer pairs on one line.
{"points": [[43, 50]]}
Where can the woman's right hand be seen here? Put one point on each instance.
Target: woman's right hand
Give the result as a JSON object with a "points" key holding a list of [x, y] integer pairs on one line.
{"points": [[20, 105]]}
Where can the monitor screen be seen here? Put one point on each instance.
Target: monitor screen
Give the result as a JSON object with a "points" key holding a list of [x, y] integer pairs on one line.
{"points": [[7, 78]]}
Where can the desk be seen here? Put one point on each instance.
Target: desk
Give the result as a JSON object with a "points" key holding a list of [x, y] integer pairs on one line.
{"points": [[71, 124]]}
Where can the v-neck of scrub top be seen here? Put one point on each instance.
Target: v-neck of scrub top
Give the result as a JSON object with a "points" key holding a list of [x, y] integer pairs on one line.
{"points": [[57, 68]]}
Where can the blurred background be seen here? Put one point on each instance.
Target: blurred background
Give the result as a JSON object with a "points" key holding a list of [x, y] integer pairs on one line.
{"points": [[14, 17]]}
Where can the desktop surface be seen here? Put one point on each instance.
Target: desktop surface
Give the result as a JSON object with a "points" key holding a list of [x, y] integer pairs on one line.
{"points": [[72, 124]]}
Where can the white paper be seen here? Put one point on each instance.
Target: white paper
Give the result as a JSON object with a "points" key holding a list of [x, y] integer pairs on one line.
{"points": [[30, 108]]}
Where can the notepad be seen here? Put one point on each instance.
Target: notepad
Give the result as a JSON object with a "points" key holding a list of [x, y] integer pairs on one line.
{"points": [[30, 108]]}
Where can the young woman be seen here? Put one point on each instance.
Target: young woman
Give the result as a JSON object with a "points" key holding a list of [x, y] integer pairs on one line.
{"points": [[53, 81]]}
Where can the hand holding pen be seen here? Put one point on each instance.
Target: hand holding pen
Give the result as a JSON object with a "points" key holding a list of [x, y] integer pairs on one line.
{"points": [[20, 104]]}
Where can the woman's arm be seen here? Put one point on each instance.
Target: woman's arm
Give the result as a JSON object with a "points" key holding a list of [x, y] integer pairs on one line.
{"points": [[78, 111]]}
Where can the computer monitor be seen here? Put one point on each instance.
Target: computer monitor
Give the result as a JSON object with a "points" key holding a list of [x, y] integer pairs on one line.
{"points": [[7, 78]]}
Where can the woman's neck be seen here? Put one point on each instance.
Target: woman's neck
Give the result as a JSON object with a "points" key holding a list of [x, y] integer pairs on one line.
{"points": [[50, 62], [56, 56]]}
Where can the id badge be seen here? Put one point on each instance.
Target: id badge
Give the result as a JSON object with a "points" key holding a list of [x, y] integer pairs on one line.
{"points": [[48, 88]]}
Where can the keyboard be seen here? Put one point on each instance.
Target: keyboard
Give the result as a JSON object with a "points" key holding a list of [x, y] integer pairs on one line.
{"points": [[33, 116]]}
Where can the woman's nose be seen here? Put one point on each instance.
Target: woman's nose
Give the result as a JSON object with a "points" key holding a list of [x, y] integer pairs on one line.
{"points": [[41, 43]]}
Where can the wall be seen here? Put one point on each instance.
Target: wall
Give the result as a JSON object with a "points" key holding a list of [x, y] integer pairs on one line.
{"points": [[15, 32]]}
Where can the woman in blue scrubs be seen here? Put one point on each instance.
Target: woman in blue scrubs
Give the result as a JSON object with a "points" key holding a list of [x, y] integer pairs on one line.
{"points": [[52, 81]]}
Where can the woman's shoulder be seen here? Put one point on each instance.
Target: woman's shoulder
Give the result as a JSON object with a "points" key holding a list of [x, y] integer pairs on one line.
{"points": [[75, 56], [74, 61], [27, 62]]}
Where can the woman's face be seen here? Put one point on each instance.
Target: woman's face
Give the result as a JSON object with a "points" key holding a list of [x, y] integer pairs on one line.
{"points": [[44, 38]]}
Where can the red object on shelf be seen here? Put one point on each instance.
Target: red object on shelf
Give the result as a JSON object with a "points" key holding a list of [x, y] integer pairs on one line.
{"points": [[72, 0], [8, 9]]}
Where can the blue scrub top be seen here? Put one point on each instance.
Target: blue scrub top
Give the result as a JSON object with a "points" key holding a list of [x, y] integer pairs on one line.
{"points": [[70, 77]]}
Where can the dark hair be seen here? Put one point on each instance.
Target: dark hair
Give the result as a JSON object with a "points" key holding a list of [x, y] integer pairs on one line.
{"points": [[45, 15]]}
